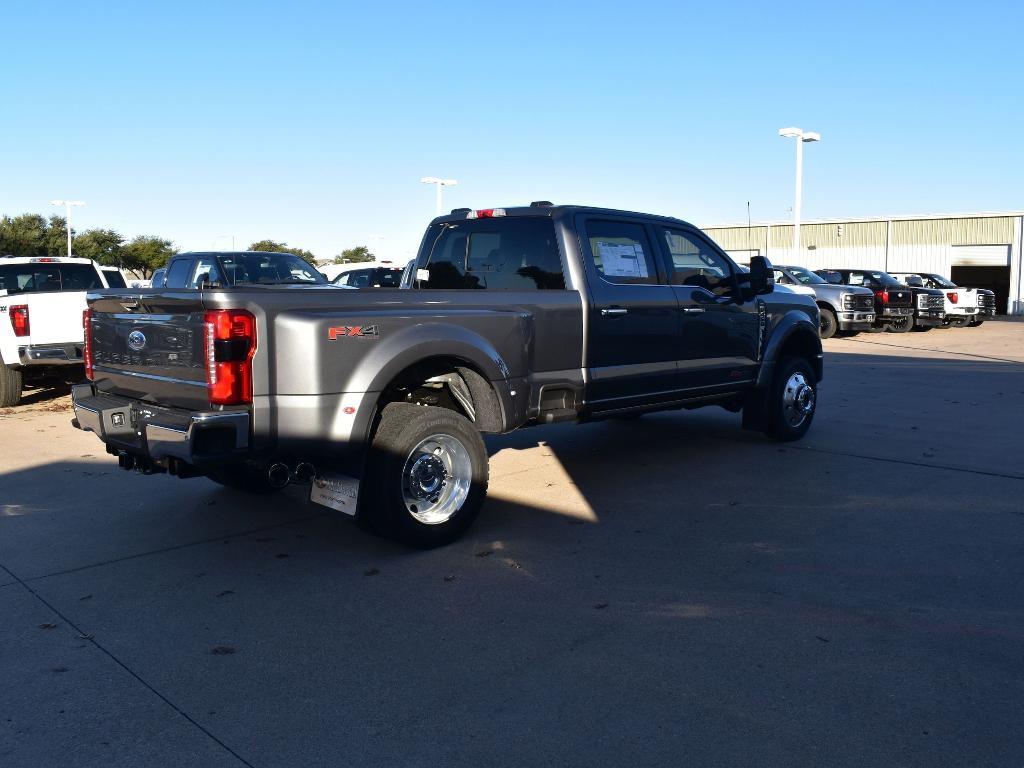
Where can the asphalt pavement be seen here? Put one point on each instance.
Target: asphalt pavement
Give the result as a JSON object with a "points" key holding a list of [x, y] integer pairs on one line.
{"points": [[664, 591]]}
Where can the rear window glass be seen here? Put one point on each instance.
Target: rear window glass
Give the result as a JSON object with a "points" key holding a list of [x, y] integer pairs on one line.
{"points": [[500, 254], [48, 278], [267, 269]]}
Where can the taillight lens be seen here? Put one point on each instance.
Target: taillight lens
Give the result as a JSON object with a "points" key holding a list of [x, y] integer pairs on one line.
{"points": [[87, 343], [883, 296], [229, 343], [953, 297], [19, 319]]}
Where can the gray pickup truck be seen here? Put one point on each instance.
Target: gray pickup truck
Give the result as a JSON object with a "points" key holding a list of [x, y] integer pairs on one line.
{"points": [[844, 308], [378, 398]]}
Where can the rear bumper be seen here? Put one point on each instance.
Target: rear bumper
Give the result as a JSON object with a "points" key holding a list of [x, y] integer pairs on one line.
{"points": [[50, 354], [987, 312], [161, 434], [855, 321]]}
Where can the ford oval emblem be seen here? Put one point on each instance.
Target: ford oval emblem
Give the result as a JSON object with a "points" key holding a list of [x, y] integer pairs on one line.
{"points": [[136, 340]]}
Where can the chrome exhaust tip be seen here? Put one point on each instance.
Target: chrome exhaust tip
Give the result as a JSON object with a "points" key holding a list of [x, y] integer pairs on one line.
{"points": [[304, 473], [278, 475]]}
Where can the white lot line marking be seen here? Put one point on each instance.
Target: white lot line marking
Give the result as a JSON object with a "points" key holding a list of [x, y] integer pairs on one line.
{"points": [[91, 639]]}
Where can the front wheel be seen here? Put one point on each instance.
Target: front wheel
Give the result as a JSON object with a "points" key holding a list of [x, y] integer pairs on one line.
{"points": [[792, 400], [976, 323], [901, 325], [827, 323], [426, 476]]}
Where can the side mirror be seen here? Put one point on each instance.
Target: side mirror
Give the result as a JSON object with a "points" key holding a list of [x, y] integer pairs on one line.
{"points": [[762, 276]]}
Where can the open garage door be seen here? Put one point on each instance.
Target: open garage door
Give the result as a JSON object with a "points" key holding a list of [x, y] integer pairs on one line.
{"points": [[983, 266], [996, 279]]}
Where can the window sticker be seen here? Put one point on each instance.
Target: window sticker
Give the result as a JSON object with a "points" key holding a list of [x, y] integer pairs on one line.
{"points": [[619, 260]]}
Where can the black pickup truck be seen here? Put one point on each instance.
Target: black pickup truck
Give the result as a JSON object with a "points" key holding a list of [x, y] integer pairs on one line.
{"points": [[378, 398]]}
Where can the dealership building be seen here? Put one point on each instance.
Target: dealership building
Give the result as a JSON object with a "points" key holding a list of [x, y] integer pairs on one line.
{"points": [[977, 250]]}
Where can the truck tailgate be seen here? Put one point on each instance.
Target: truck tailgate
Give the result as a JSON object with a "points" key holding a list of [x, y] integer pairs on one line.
{"points": [[150, 346]]}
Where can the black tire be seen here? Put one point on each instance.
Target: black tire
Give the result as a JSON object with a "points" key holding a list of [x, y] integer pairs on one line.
{"points": [[922, 328], [787, 397], [393, 504], [975, 323], [10, 386], [960, 322], [828, 324], [242, 477], [903, 325]]}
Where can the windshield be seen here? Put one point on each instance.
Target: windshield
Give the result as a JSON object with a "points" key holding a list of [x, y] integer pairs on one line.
{"points": [[937, 281], [885, 279], [268, 269], [806, 277]]}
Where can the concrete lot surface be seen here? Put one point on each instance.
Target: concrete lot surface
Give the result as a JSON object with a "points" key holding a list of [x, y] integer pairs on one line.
{"points": [[666, 591]]}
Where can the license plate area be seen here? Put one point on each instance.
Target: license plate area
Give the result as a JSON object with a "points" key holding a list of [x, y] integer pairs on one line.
{"points": [[335, 491]]}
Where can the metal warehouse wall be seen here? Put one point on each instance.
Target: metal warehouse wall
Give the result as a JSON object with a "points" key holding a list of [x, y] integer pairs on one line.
{"points": [[933, 244]]}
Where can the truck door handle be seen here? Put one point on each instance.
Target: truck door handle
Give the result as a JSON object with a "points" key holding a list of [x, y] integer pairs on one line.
{"points": [[614, 311], [693, 310]]}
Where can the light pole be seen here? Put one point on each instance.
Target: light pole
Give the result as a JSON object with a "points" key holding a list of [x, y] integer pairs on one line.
{"points": [[373, 248], [439, 184], [801, 136], [68, 205]]}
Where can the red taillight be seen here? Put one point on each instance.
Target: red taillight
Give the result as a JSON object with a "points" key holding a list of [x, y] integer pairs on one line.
{"points": [[883, 296], [953, 297], [87, 342], [19, 319], [229, 343], [485, 213]]}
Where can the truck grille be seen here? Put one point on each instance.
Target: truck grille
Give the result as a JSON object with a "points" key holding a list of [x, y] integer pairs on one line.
{"points": [[986, 301], [858, 301], [934, 303]]}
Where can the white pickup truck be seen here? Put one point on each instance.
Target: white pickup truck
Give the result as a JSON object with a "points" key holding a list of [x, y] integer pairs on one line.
{"points": [[41, 304], [964, 306]]}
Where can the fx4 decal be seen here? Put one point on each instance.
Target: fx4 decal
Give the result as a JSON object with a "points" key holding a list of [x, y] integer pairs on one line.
{"points": [[358, 331]]}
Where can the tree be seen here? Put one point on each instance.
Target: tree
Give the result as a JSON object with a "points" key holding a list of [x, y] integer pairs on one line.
{"points": [[102, 245], [276, 247], [32, 235], [357, 254], [146, 253]]}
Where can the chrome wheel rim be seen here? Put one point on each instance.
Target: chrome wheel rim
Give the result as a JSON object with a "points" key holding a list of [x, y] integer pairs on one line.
{"points": [[797, 400], [436, 478]]}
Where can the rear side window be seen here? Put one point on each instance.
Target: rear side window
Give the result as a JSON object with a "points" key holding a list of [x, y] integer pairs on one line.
{"points": [[177, 274], [499, 254], [621, 252], [114, 278], [48, 278]]}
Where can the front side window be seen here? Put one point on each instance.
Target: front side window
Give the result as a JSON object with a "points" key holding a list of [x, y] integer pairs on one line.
{"points": [[696, 263], [206, 271], [781, 277], [621, 252], [497, 254]]}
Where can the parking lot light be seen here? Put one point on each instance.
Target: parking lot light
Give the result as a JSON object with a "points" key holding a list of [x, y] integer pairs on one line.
{"points": [[68, 205], [801, 137], [439, 184]]}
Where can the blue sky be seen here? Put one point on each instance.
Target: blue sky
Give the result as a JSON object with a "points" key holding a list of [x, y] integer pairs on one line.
{"points": [[312, 123]]}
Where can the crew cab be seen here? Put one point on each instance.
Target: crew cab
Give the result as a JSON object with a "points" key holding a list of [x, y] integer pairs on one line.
{"points": [[963, 306], [896, 308], [844, 308], [378, 399], [41, 304]]}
